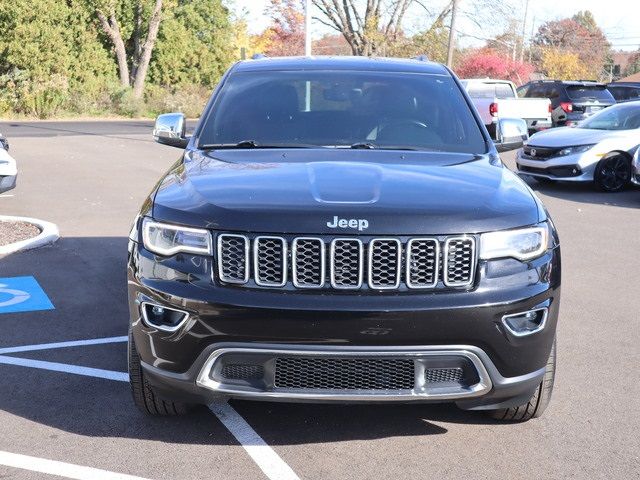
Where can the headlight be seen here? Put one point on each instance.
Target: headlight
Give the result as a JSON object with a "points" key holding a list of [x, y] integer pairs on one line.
{"points": [[523, 244], [165, 239], [636, 160], [572, 150]]}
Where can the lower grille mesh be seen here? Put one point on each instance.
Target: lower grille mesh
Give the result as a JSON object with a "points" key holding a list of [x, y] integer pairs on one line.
{"points": [[242, 372], [442, 375], [344, 373]]}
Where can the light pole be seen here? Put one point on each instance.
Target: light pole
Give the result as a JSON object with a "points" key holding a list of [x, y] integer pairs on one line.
{"points": [[307, 28], [452, 33]]}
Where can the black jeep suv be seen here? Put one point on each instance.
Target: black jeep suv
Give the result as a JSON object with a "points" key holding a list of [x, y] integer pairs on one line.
{"points": [[571, 101], [342, 229]]}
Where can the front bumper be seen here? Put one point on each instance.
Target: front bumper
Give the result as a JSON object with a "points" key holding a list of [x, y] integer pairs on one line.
{"points": [[578, 167], [421, 326]]}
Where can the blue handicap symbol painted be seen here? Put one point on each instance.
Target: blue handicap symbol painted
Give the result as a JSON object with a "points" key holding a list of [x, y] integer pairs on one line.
{"points": [[22, 294]]}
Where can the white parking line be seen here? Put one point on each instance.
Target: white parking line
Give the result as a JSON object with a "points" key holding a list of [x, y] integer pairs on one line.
{"points": [[60, 469], [265, 457], [73, 343], [66, 368]]}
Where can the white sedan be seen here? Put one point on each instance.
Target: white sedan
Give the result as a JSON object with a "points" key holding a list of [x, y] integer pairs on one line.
{"points": [[8, 168], [599, 149]]}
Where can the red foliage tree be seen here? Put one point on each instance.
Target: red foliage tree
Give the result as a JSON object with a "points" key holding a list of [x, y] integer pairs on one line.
{"points": [[486, 63], [285, 35]]}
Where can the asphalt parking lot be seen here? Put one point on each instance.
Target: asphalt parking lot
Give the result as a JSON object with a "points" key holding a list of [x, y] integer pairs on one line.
{"points": [[71, 403]]}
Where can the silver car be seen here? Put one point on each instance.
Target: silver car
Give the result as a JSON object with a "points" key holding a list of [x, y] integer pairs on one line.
{"points": [[635, 167], [599, 149]]}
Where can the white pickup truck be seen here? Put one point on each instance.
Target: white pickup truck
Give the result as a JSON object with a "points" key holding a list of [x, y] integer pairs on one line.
{"points": [[496, 99]]}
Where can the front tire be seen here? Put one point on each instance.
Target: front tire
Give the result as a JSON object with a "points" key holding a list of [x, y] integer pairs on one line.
{"points": [[144, 395], [613, 173], [538, 402]]}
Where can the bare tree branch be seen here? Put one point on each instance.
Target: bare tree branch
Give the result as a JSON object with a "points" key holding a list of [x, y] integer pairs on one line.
{"points": [[112, 30]]}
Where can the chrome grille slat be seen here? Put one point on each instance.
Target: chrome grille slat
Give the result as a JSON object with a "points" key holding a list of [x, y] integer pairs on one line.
{"points": [[385, 263], [233, 258], [423, 262], [459, 261], [270, 261], [308, 261], [346, 263]]}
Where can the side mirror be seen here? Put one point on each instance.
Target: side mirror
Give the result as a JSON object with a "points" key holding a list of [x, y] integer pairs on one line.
{"points": [[511, 133], [170, 129]]}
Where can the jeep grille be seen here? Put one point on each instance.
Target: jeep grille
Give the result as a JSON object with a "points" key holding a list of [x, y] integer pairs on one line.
{"points": [[346, 263]]}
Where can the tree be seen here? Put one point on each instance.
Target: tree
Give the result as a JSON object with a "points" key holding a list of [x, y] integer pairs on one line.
{"points": [[48, 60], [579, 35], [331, 44], [133, 62], [195, 45], [561, 65], [286, 34], [432, 42], [369, 32], [633, 66], [487, 63]]}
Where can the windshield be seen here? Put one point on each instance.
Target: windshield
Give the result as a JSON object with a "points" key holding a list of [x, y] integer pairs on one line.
{"points": [[617, 117], [600, 93], [342, 109]]}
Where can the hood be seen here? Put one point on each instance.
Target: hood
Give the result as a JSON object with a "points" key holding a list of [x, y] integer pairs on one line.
{"points": [[568, 136], [340, 192]]}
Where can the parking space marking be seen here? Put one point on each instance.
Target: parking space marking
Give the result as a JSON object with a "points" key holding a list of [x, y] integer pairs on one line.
{"points": [[60, 469], [72, 343], [65, 368], [22, 294], [262, 454]]}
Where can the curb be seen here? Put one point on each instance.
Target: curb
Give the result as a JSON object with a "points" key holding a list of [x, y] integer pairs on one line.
{"points": [[49, 234]]}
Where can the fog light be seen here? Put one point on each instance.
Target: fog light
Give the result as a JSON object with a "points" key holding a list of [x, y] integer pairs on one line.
{"points": [[163, 318], [526, 323]]}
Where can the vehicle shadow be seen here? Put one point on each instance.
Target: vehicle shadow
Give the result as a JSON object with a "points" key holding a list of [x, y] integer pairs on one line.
{"points": [[586, 193], [85, 280]]}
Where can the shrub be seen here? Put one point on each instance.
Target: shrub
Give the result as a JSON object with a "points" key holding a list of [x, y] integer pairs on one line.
{"points": [[189, 100], [33, 96]]}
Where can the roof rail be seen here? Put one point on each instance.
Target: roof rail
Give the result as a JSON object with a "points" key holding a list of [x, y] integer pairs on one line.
{"points": [[422, 58], [583, 80], [258, 56]]}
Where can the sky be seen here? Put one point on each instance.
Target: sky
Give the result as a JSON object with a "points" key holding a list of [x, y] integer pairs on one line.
{"points": [[619, 19]]}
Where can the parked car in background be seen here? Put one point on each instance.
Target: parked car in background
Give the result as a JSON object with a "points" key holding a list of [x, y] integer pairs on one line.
{"points": [[598, 150], [571, 101], [496, 99], [8, 167], [635, 167], [624, 91]]}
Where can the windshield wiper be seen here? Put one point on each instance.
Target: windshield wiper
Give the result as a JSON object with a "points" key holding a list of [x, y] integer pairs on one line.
{"points": [[363, 145], [253, 144]]}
